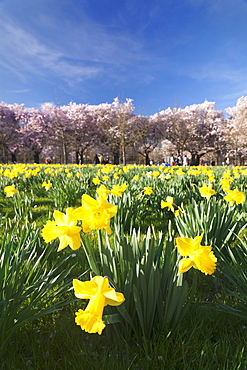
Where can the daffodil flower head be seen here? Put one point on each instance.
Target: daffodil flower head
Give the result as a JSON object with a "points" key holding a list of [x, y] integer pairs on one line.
{"points": [[148, 190], [235, 196], [102, 191], [207, 191], [180, 172], [10, 190], [117, 190], [168, 204], [95, 213], [65, 228], [155, 173], [200, 257], [100, 295], [46, 185], [96, 180]]}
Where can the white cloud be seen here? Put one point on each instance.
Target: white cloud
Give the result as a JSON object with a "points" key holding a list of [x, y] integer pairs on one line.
{"points": [[22, 91], [21, 52]]}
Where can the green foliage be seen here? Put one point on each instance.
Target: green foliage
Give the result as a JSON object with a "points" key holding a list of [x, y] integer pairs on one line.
{"points": [[29, 287], [215, 218], [154, 325], [144, 269], [233, 266]]}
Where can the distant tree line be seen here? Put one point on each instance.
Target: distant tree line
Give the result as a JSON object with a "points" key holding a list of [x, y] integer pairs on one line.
{"points": [[73, 133]]}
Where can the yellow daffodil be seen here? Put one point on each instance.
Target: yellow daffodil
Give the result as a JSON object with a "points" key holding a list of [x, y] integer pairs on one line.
{"points": [[194, 172], [100, 295], [106, 170], [211, 178], [148, 190], [180, 172], [102, 191], [225, 185], [136, 177], [46, 185], [95, 213], [96, 180], [236, 174], [235, 196], [207, 191], [168, 203], [117, 190], [178, 212], [64, 227], [200, 257], [155, 173], [10, 190]]}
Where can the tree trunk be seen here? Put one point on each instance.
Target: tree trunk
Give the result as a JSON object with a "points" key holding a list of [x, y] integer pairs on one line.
{"points": [[65, 156], [13, 157], [124, 153], [81, 157], [195, 160], [116, 158], [36, 157], [5, 157], [77, 157], [147, 159]]}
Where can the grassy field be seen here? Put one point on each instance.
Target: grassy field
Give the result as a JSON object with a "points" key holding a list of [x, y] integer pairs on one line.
{"points": [[188, 321]]}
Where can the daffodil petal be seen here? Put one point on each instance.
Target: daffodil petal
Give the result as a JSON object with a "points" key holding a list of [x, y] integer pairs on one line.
{"points": [[84, 289], [114, 299], [184, 245], [185, 264]]}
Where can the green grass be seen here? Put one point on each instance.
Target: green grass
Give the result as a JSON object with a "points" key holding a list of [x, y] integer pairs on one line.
{"points": [[205, 340]]}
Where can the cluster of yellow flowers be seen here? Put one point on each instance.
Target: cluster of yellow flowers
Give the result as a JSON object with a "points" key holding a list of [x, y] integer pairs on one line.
{"points": [[116, 190], [235, 196], [47, 185], [95, 214]]}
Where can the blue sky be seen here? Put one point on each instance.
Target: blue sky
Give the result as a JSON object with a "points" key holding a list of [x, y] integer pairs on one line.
{"points": [[160, 53]]}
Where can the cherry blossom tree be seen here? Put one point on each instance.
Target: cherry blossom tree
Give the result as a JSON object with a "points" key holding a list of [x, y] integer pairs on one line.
{"points": [[58, 127], [113, 126], [174, 126], [236, 131], [193, 128], [83, 124], [34, 131], [9, 130], [146, 135]]}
